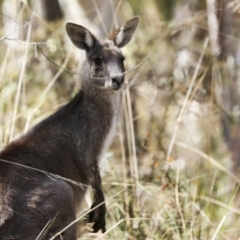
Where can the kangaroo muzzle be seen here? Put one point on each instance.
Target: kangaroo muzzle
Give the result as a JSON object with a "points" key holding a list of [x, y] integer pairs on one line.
{"points": [[117, 82]]}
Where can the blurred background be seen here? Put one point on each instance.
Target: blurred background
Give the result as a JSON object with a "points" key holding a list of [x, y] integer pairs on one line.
{"points": [[172, 171]]}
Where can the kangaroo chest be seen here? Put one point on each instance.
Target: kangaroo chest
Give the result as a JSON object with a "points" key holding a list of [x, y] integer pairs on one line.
{"points": [[116, 107]]}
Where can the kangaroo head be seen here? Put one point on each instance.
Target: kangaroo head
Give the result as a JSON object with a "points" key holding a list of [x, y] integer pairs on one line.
{"points": [[104, 65]]}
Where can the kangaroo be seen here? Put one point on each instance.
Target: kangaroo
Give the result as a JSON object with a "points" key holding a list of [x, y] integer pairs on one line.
{"points": [[69, 144]]}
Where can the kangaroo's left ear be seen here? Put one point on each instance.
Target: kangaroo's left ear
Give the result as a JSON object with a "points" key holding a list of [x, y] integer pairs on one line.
{"points": [[123, 35], [80, 36]]}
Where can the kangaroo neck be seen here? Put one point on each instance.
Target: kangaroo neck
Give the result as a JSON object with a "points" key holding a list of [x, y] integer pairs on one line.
{"points": [[100, 95]]}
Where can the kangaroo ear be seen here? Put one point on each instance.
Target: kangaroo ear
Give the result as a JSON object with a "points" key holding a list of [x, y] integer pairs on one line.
{"points": [[123, 35], [80, 36]]}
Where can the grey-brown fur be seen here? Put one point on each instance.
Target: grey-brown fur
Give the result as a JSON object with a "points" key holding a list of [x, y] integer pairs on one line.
{"points": [[69, 143]]}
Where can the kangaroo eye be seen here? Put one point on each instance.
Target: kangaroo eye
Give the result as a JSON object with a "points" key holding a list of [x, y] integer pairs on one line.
{"points": [[97, 61]]}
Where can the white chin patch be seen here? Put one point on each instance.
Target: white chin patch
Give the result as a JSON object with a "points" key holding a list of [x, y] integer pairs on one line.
{"points": [[108, 84]]}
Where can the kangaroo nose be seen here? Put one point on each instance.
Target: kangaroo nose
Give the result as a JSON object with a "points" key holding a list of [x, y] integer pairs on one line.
{"points": [[117, 82]]}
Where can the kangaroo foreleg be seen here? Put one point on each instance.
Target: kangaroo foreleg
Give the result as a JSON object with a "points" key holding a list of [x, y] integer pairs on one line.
{"points": [[97, 216]]}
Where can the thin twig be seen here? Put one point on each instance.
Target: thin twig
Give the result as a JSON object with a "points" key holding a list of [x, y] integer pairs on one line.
{"points": [[41, 99], [213, 27], [178, 203], [8, 34], [100, 16], [83, 186], [211, 160], [122, 220], [35, 44], [133, 144], [179, 119], [77, 219], [219, 226], [20, 83], [115, 21], [124, 172], [42, 231]]}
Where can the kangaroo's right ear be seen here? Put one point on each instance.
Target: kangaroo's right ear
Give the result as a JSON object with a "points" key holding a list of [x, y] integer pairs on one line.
{"points": [[80, 36], [123, 35]]}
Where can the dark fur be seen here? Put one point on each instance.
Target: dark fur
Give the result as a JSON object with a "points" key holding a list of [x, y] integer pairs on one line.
{"points": [[69, 143], [57, 145]]}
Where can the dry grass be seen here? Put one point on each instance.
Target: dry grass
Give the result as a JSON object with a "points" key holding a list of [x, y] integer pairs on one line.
{"points": [[168, 173]]}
